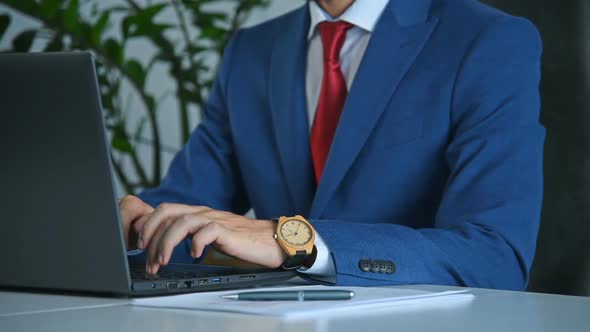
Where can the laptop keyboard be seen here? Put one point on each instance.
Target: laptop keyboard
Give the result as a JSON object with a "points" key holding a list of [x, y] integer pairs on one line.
{"points": [[167, 272], [183, 271], [182, 277]]}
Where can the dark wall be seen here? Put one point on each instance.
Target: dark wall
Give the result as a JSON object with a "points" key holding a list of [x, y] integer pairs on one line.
{"points": [[562, 263]]}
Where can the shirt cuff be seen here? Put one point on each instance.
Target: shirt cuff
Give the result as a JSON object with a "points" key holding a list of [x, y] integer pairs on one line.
{"points": [[323, 268]]}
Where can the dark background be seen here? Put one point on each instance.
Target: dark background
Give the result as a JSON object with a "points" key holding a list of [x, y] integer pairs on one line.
{"points": [[562, 263]]}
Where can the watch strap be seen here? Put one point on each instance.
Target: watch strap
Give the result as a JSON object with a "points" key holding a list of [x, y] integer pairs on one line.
{"points": [[307, 261], [295, 262]]}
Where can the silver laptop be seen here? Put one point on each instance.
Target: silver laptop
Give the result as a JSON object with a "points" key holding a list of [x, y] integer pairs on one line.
{"points": [[59, 220]]}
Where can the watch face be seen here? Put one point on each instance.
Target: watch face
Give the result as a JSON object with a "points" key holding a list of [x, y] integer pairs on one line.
{"points": [[296, 232]]}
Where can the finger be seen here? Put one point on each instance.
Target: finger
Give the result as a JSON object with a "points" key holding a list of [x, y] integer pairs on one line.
{"points": [[152, 268], [152, 249], [164, 212], [131, 208], [128, 211], [135, 230], [177, 232], [208, 234]]}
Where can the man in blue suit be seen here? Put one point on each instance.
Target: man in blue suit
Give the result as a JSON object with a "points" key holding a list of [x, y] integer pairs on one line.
{"points": [[405, 131]]}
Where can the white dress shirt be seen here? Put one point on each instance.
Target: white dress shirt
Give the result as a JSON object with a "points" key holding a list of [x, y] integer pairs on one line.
{"points": [[363, 14]]}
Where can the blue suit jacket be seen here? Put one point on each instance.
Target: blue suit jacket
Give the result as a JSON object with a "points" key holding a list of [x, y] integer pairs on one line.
{"points": [[437, 161]]}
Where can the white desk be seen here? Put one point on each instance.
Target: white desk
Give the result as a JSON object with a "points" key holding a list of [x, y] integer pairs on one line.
{"points": [[14, 303], [490, 311]]}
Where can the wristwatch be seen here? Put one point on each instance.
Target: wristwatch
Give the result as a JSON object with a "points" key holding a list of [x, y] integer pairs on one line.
{"points": [[296, 236]]}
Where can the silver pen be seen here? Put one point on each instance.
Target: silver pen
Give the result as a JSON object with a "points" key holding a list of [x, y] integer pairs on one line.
{"points": [[301, 295]]}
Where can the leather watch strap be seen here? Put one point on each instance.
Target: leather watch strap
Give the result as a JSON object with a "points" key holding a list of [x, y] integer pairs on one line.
{"points": [[295, 262]]}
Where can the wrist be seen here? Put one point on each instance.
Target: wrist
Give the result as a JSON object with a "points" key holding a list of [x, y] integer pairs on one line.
{"points": [[279, 255]]}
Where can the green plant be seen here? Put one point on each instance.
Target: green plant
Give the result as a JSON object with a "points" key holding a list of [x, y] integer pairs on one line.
{"points": [[201, 34]]}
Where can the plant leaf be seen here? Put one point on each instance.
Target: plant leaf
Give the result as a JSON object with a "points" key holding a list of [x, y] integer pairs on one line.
{"points": [[150, 103], [23, 42], [107, 104], [209, 18], [195, 49], [213, 32], [120, 143], [56, 44], [136, 72], [71, 19], [148, 13], [49, 8], [98, 28], [4, 23], [141, 23], [113, 50]]}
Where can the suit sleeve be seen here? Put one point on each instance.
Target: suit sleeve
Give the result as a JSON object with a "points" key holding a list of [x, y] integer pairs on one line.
{"points": [[486, 226], [205, 171]]}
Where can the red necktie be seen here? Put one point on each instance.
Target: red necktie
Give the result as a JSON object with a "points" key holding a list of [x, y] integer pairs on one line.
{"points": [[332, 95]]}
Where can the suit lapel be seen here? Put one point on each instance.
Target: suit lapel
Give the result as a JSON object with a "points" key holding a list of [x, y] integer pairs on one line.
{"points": [[390, 53], [289, 110]]}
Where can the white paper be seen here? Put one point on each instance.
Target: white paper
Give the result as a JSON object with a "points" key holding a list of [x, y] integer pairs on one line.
{"points": [[364, 298]]}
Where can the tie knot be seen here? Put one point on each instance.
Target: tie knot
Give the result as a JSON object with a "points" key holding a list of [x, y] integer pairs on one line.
{"points": [[333, 36]]}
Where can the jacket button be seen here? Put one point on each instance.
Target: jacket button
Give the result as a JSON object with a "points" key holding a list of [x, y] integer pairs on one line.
{"points": [[364, 265], [383, 266], [374, 266], [390, 268]]}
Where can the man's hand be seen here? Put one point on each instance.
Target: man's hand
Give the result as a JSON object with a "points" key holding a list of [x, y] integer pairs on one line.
{"points": [[234, 235], [134, 213]]}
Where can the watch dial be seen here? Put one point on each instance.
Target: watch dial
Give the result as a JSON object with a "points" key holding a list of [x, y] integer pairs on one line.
{"points": [[296, 232]]}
